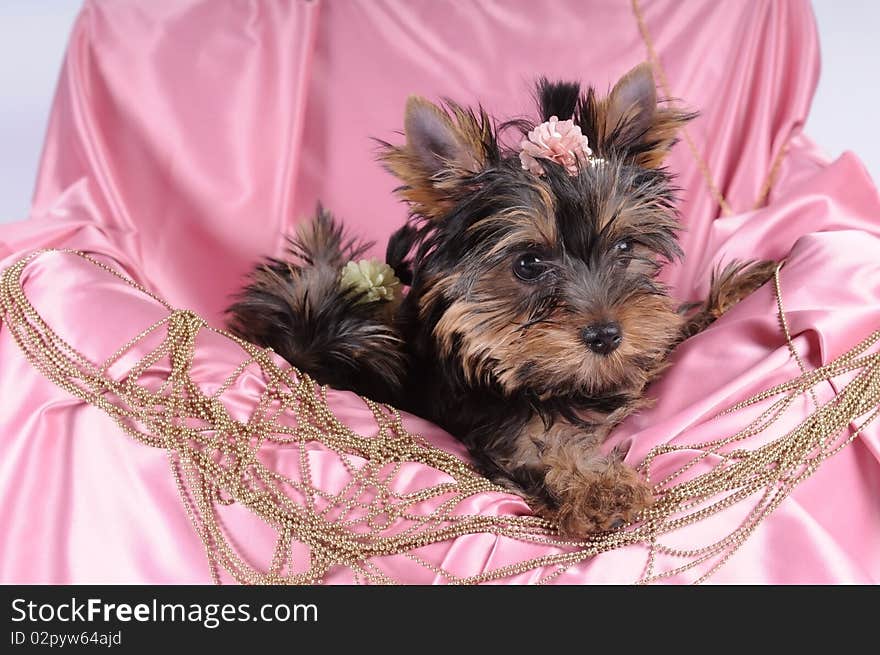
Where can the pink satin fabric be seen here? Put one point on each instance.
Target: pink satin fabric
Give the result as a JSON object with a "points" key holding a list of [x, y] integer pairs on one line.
{"points": [[188, 135]]}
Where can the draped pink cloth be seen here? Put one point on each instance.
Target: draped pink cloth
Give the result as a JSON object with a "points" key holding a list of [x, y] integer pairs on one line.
{"points": [[188, 135]]}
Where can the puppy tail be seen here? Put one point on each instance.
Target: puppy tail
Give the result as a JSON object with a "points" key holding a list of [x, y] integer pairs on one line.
{"points": [[297, 307]]}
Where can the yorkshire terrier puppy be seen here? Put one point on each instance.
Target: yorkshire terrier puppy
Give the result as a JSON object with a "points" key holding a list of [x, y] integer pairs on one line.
{"points": [[534, 318]]}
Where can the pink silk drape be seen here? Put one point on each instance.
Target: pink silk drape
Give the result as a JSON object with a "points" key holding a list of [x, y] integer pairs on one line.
{"points": [[187, 135]]}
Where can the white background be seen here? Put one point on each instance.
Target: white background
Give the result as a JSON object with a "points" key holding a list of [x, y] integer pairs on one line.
{"points": [[33, 36]]}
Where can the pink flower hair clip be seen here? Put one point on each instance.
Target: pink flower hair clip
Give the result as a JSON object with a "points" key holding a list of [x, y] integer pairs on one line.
{"points": [[558, 141]]}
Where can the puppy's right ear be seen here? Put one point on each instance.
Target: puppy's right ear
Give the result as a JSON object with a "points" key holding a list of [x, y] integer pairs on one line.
{"points": [[443, 149]]}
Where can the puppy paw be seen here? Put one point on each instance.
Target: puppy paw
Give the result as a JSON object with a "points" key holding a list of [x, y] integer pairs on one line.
{"points": [[728, 287], [736, 282], [602, 501]]}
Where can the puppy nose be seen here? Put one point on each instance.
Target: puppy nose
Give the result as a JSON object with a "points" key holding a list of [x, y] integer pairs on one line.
{"points": [[602, 338]]}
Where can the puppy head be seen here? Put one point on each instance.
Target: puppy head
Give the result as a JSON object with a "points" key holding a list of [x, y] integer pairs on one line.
{"points": [[543, 284]]}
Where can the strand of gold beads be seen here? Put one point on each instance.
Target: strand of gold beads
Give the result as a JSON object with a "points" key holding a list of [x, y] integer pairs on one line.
{"points": [[213, 459]]}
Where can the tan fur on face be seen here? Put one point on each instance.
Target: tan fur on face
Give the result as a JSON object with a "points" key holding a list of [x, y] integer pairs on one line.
{"points": [[486, 332], [493, 346], [484, 321], [521, 227], [618, 212], [559, 358], [649, 323]]}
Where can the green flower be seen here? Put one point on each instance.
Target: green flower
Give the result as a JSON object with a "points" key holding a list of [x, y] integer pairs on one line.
{"points": [[373, 279]]}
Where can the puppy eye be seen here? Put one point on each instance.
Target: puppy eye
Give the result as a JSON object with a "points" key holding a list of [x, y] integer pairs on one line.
{"points": [[529, 267], [623, 246]]}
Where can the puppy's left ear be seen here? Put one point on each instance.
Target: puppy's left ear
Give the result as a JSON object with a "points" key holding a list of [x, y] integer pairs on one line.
{"points": [[444, 148], [634, 123]]}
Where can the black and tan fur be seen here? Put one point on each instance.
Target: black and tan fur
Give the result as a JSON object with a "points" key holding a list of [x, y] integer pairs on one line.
{"points": [[508, 364]]}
